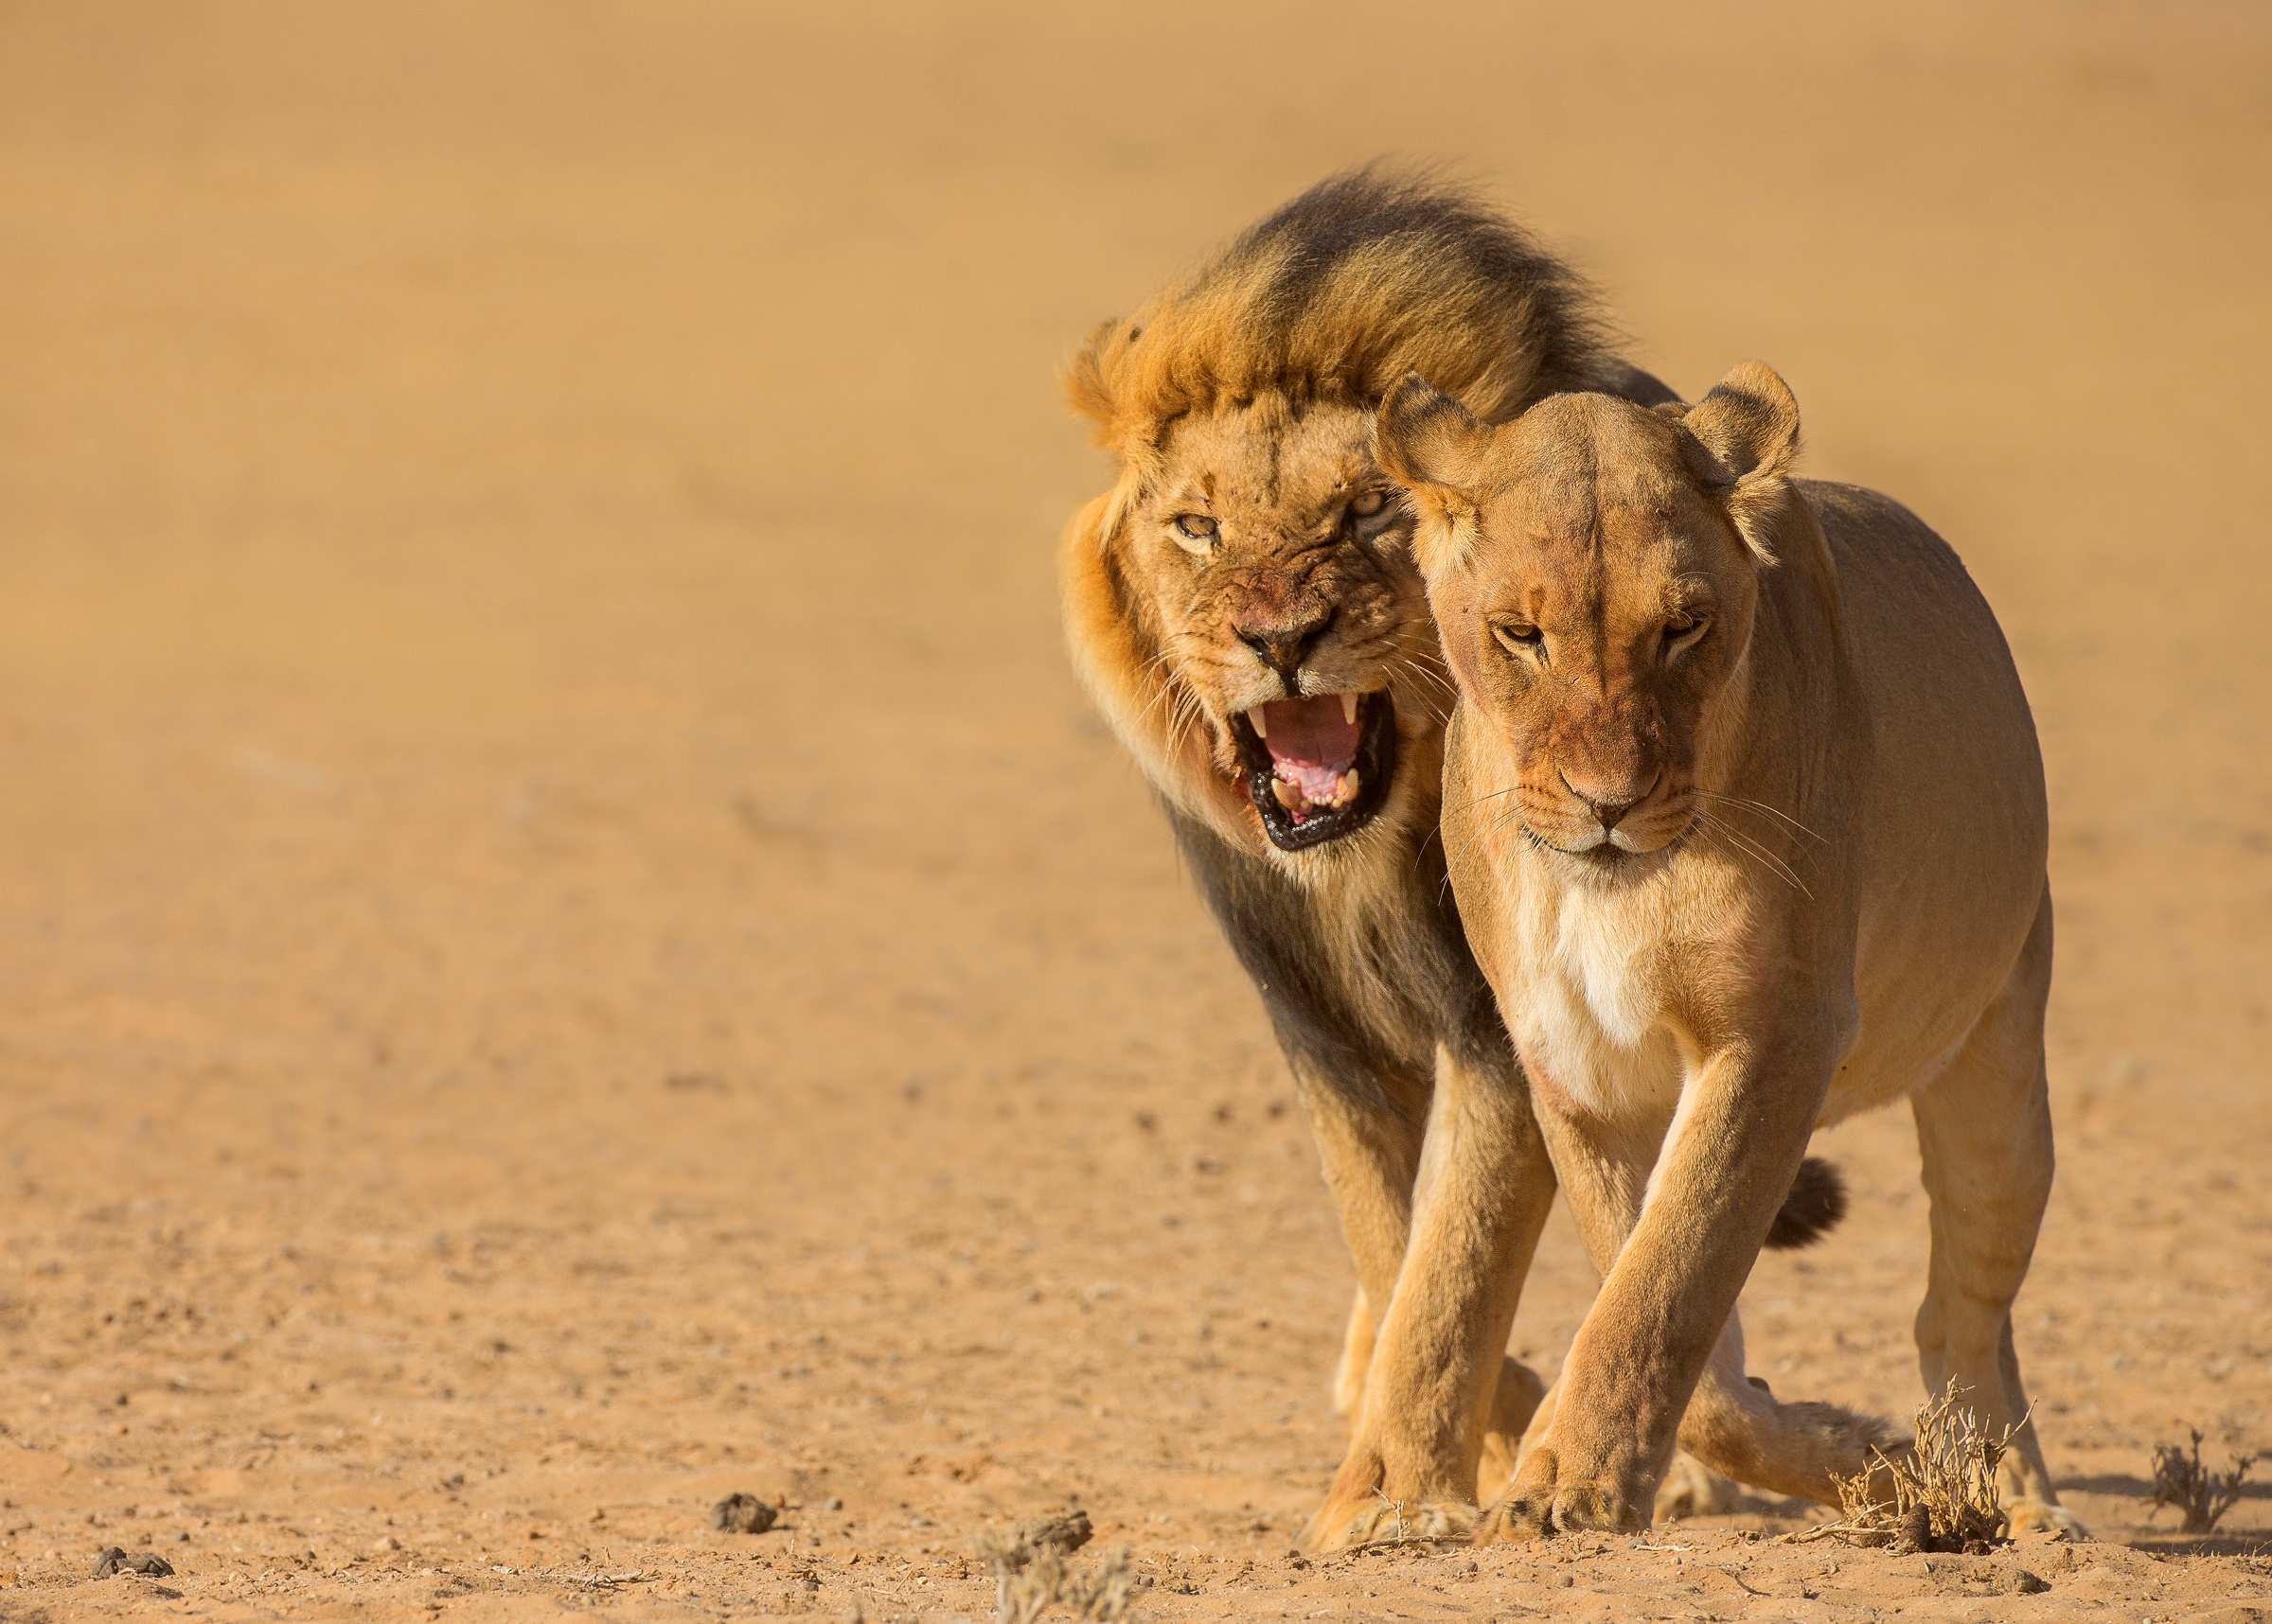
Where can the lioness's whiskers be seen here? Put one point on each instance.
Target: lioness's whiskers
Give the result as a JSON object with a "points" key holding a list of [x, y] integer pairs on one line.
{"points": [[1745, 844], [1761, 806], [1495, 795]]}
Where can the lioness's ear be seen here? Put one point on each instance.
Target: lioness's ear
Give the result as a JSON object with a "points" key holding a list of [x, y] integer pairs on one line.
{"points": [[1432, 446], [1425, 438], [1750, 426], [1750, 423]]}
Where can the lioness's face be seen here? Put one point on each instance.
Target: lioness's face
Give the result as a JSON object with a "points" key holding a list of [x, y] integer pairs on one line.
{"points": [[1599, 603], [1274, 555]]}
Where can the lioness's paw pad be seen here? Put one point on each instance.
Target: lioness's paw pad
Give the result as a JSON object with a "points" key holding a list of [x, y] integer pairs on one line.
{"points": [[2040, 1517]]}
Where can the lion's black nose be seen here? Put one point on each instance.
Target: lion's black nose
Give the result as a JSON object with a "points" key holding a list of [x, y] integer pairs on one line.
{"points": [[1283, 647]]}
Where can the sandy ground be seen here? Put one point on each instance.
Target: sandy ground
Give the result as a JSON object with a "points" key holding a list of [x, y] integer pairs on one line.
{"points": [[568, 947]]}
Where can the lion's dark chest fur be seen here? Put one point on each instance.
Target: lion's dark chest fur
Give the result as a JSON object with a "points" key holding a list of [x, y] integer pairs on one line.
{"points": [[1359, 992]]}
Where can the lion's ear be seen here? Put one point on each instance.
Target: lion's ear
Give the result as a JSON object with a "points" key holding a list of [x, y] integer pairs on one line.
{"points": [[1084, 382], [1748, 426]]}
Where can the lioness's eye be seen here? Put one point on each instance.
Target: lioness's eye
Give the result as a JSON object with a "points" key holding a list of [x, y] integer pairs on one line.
{"points": [[1366, 503], [1196, 529], [1519, 637], [1681, 630]]}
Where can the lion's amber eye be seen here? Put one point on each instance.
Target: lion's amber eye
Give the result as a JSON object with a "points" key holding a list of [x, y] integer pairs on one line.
{"points": [[1367, 502], [1681, 630], [1197, 528], [1519, 637]]}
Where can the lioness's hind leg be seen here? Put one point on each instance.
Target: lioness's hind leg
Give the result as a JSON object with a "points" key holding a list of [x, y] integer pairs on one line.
{"points": [[1738, 1428], [1984, 1133]]}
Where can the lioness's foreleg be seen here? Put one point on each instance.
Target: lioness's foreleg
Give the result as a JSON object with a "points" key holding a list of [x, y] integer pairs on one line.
{"points": [[1674, 1231], [1984, 1131], [1435, 1390]]}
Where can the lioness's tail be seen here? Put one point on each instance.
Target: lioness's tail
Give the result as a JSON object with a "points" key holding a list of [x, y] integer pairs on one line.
{"points": [[1813, 1208]]}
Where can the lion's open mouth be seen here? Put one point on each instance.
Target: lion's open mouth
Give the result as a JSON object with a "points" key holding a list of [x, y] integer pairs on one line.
{"points": [[1318, 768]]}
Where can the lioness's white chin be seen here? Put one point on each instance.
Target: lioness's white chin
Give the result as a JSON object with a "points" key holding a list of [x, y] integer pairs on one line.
{"points": [[1610, 854]]}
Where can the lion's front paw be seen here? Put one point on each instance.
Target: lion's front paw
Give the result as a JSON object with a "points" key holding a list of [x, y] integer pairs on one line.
{"points": [[1545, 1503], [1342, 1523], [2041, 1516]]}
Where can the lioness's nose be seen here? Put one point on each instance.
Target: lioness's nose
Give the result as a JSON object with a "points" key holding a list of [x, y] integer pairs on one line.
{"points": [[1283, 647], [1609, 802]]}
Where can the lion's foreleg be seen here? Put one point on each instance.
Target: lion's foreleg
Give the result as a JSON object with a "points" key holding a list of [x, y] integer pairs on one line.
{"points": [[1369, 1150], [1480, 1197]]}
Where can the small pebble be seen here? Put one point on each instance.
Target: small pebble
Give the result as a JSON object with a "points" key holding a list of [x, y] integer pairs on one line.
{"points": [[742, 1514], [114, 1560], [387, 1543]]}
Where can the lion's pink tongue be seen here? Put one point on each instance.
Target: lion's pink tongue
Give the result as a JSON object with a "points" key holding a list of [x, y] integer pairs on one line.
{"points": [[1312, 742]]}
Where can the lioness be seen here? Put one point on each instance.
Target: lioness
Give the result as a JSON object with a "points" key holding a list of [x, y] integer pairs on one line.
{"points": [[1243, 607], [1747, 823]]}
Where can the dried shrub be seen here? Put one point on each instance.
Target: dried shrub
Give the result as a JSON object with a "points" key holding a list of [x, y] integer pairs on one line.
{"points": [[1944, 1487], [2201, 1496], [1030, 1574]]}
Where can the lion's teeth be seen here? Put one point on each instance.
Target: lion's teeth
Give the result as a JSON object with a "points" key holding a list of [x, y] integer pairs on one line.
{"points": [[1347, 788], [1255, 720], [1289, 796], [1349, 708]]}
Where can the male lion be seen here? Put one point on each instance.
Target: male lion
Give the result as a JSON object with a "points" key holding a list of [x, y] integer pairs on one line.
{"points": [[1747, 828], [1243, 607]]}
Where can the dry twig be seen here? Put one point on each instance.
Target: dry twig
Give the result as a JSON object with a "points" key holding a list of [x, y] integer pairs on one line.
{"points": [[1030, 1574], [1945, 1494], [2202, 1496]]}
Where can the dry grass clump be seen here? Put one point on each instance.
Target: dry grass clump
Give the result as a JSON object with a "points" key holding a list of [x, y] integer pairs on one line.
{"points": [[2202, 1496], [1030, 1574], [1944, 1494]]}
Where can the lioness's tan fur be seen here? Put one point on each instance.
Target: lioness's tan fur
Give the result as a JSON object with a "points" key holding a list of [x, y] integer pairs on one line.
{"points": [[1749, 829]]}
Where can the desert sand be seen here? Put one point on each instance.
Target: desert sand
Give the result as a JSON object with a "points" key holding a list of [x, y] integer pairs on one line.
{"points": [[569, 946]]}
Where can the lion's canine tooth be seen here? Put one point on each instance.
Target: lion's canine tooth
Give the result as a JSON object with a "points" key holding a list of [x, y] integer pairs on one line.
{"points": [[1346, 788], [1255, 720], [1289, 796], [1349, 708]]}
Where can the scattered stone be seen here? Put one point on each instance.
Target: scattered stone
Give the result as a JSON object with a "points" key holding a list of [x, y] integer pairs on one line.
{"points": [[117, 1559], [2016, 1580], [1062, 1531], [742, 1514], [387, 1543], [833, 1503]]}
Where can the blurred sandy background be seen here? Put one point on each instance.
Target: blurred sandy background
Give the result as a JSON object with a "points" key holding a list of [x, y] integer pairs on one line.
{"points": [[567, 943]]}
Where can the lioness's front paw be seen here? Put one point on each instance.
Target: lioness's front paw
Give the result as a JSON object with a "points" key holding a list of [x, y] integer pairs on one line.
{"points": [[2041, 1516], [1544, 1503], [1342, 1524]]}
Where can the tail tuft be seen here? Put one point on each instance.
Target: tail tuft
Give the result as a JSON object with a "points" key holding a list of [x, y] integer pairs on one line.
{"points": [[1813, 1208]]}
